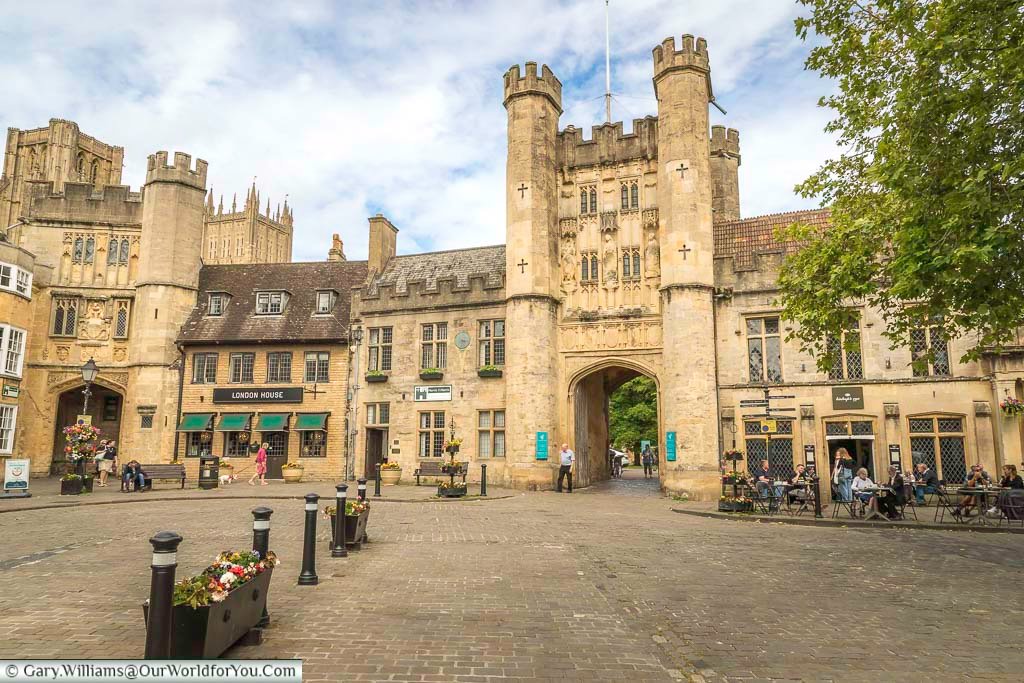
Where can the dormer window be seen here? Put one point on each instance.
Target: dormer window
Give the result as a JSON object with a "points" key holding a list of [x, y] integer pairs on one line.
{"points": [[325, 301], [218, 302], [270, 303]]}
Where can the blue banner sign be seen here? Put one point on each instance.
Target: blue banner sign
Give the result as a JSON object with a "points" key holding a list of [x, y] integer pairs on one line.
{"points": [[542, 445], [670, 446]]}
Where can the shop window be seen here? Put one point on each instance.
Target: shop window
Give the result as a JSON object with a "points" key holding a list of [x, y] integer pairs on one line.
{"points": [[431, 434], [777, 450], [380, 349], [198, 443], [236, 444], [314, 444]]}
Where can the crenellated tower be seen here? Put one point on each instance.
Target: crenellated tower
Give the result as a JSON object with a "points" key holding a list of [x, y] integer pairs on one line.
{"points": [[169, 261], [725, 173], [682, 84], [534, 103]]}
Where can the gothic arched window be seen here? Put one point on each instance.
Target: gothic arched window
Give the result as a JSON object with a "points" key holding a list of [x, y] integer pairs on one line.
{"points": [[90, 249], [625, 260], [94, 171], [593, 200], [625, 196], [636, 263], [123, 257], [76, 255], [112, 252], [583, 201], [636, 195], [81, 167], [593, 267], [585, 275]]}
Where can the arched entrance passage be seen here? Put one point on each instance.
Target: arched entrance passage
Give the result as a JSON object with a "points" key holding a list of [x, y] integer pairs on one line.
{"points": [[105, 405], [590, 392]]}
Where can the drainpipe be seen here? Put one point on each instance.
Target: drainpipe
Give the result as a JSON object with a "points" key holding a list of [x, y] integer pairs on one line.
{"points": [[718, 382], [181, 389], [354, 339]]}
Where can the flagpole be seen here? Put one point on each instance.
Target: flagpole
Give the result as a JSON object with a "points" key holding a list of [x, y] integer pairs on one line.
{"points": [[607, 68]]}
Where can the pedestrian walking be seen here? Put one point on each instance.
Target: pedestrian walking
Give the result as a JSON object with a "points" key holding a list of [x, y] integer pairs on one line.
{"points": [[842, 475], [648, 460], [261, 466], [566, 459], [108, 463]]}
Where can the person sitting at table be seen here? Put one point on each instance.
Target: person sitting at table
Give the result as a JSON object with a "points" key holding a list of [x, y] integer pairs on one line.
{"points": [[798, 489], [1011, 480], [860, 482], [764, 483], [977, 478], [890, 503], [925, 482]]}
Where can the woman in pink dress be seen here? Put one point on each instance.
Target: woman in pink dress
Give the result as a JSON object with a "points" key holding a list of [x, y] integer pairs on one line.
{"points": [[261, 466]]}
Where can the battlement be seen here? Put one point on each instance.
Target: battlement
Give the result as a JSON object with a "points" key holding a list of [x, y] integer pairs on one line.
{"points": [[608, 143], [725, 142], [382, 297], [690, 56], [159, 171], [545, 84], [83, 203]]}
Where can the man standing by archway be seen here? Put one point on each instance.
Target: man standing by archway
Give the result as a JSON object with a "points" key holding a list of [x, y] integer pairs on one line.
{"points": [[566, 459]]}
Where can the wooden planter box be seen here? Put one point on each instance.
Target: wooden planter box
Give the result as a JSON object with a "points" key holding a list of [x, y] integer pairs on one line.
{"points": [[734, 506], [373, 379], [292, 475], [488, 373], [390, 477], [431, 375], [457, 492], [70, 487], [206, 632], [355, 528]]}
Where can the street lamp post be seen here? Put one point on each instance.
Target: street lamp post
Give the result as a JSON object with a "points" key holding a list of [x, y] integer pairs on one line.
{"points": [[355, 338], [89, 372]]}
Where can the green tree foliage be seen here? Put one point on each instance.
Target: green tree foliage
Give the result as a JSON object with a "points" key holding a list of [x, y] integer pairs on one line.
{"points": [[927, 199], [634, 414]]}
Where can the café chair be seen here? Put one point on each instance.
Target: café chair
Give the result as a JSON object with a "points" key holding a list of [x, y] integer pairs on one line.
{"points": [[908, 503], [838, 505], [944, 504], [769, 503]]}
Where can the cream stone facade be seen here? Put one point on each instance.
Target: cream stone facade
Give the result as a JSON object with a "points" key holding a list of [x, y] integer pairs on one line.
{"points": [[625, 255]]}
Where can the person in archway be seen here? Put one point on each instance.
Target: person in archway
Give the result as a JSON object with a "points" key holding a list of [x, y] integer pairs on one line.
{"points": [[109, 462], [648, 460], [566, 458], [842, 475]]}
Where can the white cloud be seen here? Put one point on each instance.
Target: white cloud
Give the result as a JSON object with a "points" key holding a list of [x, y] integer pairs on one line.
{"points": [[390, 106]]}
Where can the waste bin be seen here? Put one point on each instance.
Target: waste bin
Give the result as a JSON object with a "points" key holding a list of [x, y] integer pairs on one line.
{"points": [[209, 472]]}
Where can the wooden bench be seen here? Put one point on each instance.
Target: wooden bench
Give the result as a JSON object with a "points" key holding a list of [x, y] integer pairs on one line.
{"points": [[151, 472], [432, 468]]}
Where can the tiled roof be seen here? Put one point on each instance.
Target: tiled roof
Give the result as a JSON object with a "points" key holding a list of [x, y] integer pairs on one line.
{"points": [[747, 237], [458, 263], [239, 323]]}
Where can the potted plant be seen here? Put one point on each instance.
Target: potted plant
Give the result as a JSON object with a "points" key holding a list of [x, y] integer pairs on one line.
{"points": [[733, 477], [71, 484], [292, 472], [451, 489], [390, 473], [431, 373], [80, 443], [357, 514], [374, 376], [489, 371], [735, 504], [217, 607], [1011, 407]]}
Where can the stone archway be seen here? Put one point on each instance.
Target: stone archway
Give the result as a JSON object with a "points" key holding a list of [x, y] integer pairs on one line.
{"points": [[106, 406], [590, 390]]}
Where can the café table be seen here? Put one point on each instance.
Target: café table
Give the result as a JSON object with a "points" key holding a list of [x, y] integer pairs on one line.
{"points": [[872, 511], [983, 495]]}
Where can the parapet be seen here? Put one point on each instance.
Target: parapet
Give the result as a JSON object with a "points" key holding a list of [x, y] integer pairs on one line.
{"points": [[83, 203], [608, 144], [159, 171], [477, 289], [545, 85], [725, 142], [692, 56]]}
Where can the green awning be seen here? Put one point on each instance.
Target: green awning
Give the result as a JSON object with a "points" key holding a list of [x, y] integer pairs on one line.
{"points": [[311, 422], [195, 422], [272, 422], [234, 422]]}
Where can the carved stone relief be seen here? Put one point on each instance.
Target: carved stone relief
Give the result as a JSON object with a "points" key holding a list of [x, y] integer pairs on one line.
{"points": [[635, 334], [96, 326], [610, 256]]}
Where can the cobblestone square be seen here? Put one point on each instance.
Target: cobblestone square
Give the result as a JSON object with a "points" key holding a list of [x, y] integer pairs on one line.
{"points": [[606, 584]]}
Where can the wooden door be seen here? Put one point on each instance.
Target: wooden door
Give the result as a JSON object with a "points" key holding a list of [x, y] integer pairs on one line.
{"points": [[277, 453], [374, 451]]}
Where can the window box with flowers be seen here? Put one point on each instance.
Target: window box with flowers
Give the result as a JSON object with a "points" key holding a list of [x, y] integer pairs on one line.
{"points": [[489, 371], [375, 377], [431, 374], [214, 609], [292, 472], [357, 514], [390, 473], [1011, 407]]}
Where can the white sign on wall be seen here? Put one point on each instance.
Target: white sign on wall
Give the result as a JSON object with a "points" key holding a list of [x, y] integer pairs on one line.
{"points": [[432, 392], [16, 475]]}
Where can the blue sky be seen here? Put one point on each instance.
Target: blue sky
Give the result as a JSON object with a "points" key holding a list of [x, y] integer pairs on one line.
{"points": [[353, 108]]}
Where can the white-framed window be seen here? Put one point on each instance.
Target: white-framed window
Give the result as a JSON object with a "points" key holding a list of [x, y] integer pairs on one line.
{"points": [[270, 303], [8, 420], [217, 304], [318, 365], [490, 441], [431, 433], [279, 366], [378, 413], [380, 349], [240, 367], [434, 346], [13, 350], [204, 368], [325, 302], [15, 279], [492, 342]]}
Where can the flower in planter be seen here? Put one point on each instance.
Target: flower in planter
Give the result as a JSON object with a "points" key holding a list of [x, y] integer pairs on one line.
{"points": [[229, 571], [352, 508], [391, 466], [451, 485], [292, 466]]}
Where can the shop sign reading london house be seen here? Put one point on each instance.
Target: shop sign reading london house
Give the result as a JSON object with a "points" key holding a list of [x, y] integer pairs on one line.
{"points": [[257, 395]]}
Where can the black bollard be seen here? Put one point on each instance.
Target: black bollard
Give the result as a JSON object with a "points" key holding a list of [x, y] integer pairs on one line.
{"points": [[376, 483], [341, 499], [161, 594], [361, 489], [261, 544], [817, 498], [308, 575], [483, 479]]}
